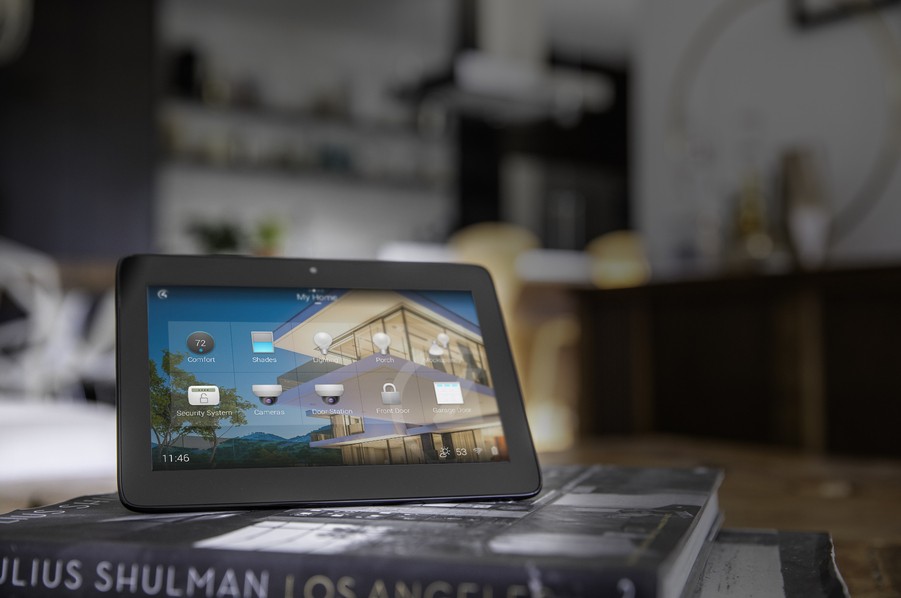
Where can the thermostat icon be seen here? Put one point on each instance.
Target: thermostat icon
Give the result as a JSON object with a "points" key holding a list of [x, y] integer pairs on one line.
{"points": [[203, 395], [200, 342]]}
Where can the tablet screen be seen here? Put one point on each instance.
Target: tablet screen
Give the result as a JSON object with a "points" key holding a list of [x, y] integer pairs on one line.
{"points": [[304, 377]]}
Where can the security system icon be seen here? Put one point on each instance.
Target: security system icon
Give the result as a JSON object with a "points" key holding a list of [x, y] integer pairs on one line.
{"points": [[203, 395], [390, 395]]}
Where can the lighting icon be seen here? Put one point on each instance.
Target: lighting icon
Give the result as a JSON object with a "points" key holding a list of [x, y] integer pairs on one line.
{"points": [[439, 345], [323, 340], [382, 341]]}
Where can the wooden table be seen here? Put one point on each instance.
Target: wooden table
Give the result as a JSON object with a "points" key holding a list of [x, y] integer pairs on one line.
{"points": [[858, 501]]}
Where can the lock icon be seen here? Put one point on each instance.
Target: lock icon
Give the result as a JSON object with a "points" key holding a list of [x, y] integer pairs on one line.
{"points": [[390, 396], [203, 395]]}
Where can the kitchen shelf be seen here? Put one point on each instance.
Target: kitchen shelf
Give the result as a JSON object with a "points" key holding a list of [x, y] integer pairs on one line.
{"points": [[185, 166], [249, 116]]}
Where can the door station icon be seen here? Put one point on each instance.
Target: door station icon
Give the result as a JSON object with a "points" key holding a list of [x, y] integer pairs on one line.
{"points": [[390, 395], [203, 395]]}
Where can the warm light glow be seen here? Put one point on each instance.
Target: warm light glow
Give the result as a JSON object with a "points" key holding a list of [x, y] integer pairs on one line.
{"points": [[618, 260], [552, 425]]}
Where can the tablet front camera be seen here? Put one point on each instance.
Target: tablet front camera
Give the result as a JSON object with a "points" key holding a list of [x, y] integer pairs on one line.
{"points": [[330, 393]]}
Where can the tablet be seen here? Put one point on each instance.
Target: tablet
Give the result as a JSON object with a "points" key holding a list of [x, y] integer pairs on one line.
{"points": [[251, 382]]}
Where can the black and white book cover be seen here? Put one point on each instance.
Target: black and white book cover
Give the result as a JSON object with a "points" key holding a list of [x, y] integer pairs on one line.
{"points": [[593, 531]]}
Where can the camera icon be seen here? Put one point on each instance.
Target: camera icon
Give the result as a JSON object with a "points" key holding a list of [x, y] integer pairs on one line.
{"points": [[330, 393], [267, 393]]}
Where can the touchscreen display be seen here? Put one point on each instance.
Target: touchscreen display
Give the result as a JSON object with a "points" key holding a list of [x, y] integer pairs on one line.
{"points": [[305, 377]]}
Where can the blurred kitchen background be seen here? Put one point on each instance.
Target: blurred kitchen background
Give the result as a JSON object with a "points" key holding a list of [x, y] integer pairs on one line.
{"points": [[691, 208]]}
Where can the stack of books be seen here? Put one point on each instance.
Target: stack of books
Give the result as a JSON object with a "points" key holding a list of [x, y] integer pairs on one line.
{"points": [[594, 531]]}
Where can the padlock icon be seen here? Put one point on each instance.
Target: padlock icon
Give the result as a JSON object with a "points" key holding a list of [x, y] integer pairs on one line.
{"points": [[203, 395], [390, 396]]}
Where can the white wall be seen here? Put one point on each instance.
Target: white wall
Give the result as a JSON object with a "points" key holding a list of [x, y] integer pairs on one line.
{"points": [[760, 85]]}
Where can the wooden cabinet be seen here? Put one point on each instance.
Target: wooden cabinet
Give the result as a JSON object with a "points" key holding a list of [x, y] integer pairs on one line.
{"points": [[808, 360]]}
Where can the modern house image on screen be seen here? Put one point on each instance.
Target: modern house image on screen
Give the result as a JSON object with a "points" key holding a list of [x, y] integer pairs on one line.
{"points": [[353, 377], [416, 382]]}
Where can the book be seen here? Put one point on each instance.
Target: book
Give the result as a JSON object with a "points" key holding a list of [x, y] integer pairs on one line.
{"points": [[592, 531], [777, 564]]}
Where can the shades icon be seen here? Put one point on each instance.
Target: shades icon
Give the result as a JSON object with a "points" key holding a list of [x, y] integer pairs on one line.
{"points": [[262, 342]]}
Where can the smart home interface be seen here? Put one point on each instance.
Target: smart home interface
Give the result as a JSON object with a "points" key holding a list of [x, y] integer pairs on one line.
{"points": [[297, 377]]}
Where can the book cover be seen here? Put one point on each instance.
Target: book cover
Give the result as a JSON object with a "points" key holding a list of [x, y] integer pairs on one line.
{"points": [[593, 531]]}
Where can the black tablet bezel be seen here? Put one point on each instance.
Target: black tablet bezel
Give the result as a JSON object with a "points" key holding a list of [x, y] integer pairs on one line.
{"points": [[142, 488]]}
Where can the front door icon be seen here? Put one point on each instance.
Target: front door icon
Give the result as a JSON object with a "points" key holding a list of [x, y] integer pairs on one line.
{"points": [[390, 395]]}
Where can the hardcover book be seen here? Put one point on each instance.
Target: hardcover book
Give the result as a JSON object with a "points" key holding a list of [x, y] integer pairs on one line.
{"points": [[593, 531]]}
